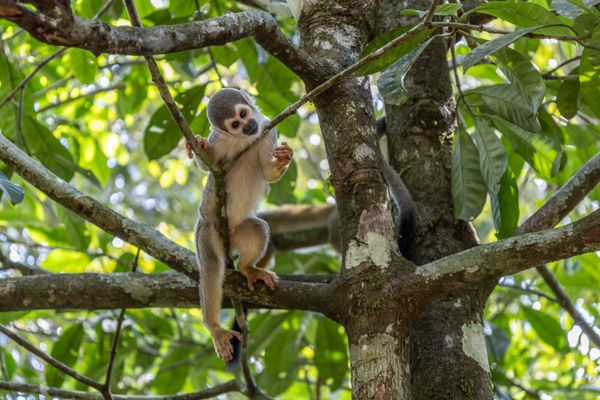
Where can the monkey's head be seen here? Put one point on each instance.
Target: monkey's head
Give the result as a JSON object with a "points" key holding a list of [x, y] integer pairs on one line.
{"points": [[233, 111]]}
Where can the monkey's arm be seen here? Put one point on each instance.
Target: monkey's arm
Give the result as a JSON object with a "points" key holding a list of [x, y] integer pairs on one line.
{"points": [[274, 160], [205, 145]]}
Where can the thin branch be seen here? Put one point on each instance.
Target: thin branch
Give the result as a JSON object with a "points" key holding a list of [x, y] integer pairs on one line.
{"points": [[113, 348], [231, 386], [91, 93], [49, 359], [24, 269], [528, 291], [51, 57], [559, 66]]}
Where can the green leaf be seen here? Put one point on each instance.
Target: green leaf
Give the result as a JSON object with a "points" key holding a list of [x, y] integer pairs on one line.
{"points": [[573, 8], [523, 75], [589, 80], [14, 192], [282, 191], [331, 358], [505, 101], [172, 372], [547, 328], [135, 93], [68, 261], [391, 56], [441, 9], [75, 227], [264, 327], [468, 187], [282, 351], [492, 157], [10, 363], [162, 134], [66, 349], [567, 99], [539, 150], [505, 205], [525, 15], [391, 82], [84, 65], [46, 148], [492, 46]]}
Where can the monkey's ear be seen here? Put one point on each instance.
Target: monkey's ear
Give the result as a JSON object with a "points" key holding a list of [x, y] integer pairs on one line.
{"points": [[248, 98]]}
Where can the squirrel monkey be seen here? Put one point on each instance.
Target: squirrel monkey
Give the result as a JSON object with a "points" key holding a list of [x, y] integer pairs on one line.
{"points": [[236, 125]]}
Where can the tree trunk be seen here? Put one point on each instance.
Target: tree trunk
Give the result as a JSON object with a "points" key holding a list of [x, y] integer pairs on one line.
{"points": [[448, 358]]}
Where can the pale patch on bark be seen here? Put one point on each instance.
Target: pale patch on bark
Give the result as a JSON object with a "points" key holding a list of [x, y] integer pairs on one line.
{"points": [[138, 292], [473, 344], [363, 152], [375, 366], [375, 248]]}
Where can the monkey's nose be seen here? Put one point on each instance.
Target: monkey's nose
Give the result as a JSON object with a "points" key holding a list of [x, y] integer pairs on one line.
{"points": [[251, 127]]}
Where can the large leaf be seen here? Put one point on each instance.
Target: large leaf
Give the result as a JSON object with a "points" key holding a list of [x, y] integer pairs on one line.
{"points": [[539, 150], [589, 80], [282, 351], [567, 99], [162, 134], [468, 187], [440, 9], [391, 82], [282, 192], [505, 101], [13, 191], [75, 227], [135, 93], [84, 65], [172, 372], [331, 358], [523, 75], [46, 148], [66, 349], [547, 328], [525, 15], [492, 46], [505, 205], [573, 8], [391, 56], [492, 157]]}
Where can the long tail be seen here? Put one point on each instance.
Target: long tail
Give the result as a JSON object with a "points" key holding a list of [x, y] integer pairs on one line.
{"points": [[405, 208], [234, 363]]}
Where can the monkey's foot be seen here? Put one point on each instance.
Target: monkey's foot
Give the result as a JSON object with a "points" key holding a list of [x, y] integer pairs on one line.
{"points": [[221, 338], [254, 275]]}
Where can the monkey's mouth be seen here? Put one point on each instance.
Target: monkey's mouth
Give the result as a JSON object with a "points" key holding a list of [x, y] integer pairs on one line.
{"points": [[251, 127]]}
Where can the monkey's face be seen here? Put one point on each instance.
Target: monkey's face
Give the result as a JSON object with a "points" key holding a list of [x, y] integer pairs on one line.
{"points": [[242, 122]]}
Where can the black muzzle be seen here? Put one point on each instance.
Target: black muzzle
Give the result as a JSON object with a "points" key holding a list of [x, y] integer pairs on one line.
{"points": [[251, 127]]}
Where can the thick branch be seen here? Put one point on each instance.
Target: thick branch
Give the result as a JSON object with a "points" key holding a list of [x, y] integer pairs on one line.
{"points": [[65, 29], [290, 295], [515, 254], [118, 290]]}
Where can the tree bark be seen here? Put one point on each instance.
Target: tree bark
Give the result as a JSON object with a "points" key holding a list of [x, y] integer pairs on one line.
{"points": [[448, 358]]}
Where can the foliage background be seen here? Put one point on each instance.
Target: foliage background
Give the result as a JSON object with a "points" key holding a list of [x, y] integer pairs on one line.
{"points": [[99, 122]]}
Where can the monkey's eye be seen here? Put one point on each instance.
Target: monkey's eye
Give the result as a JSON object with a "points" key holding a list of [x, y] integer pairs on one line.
{"points": [[235, 124], [242, 113]]}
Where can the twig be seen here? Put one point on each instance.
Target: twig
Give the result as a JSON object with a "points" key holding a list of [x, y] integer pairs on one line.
{"points": [[559, 66], [231, 386], [49, 359], [92, 93], [528, 290], [113, 349], [51, 57]]}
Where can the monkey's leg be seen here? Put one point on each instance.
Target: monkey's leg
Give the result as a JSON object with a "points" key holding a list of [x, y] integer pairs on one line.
{"points": [[249, 239], [211, 262]]}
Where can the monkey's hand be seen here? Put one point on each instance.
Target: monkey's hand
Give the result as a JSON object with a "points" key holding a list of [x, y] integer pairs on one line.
{"points": [[221, 339], [254, 275], [283, 155], [200, 141]]}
